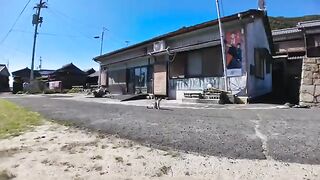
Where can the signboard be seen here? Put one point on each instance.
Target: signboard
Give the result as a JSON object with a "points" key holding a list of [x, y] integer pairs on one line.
{"points": [[234, 53]]}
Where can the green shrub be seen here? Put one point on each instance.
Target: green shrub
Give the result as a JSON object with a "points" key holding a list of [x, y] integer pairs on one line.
{"points": [[75, 90], [49, 91]]}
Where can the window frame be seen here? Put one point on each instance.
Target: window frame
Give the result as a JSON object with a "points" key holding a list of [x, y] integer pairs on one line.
{"points": [[260, 59]]}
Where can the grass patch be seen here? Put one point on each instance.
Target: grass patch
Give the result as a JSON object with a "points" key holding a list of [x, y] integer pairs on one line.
{"points": [[14, 120]]}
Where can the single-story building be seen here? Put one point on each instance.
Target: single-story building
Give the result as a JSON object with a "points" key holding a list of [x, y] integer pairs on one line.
{"points": [[23, 75], [89, 71], [292, 46], [92, 77], [70, 75], [190, 60], [4, 78]]}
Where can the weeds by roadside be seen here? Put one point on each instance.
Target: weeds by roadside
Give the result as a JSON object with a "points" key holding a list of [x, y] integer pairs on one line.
{"points": [[14, 120]]}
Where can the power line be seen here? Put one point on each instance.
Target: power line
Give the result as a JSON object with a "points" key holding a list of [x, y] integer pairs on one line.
{"points": [[83, 24], [63, 18], [222, 7], [15, 22]]}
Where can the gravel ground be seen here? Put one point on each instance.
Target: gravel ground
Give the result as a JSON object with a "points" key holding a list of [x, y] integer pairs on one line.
{"points": [[288, 135]]}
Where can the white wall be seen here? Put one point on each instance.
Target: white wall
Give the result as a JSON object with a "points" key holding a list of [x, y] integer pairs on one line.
{"points": [[256, 38]]}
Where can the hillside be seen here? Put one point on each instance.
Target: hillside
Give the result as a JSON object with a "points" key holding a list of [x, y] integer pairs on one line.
{"points": [[284, 22]]}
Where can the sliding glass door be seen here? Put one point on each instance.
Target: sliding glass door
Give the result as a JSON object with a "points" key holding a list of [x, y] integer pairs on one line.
{"points": [[140, 80]]}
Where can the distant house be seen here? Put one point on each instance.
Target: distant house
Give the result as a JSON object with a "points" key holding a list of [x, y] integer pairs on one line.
{"points": [[45, 73], [23, 75], [4, 78], [292, 45], [189, 60], [89, 71], [70, 75], [92, 76]]}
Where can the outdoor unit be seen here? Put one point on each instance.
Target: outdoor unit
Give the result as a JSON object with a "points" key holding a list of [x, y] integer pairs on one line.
{"points": [[159, 46]]}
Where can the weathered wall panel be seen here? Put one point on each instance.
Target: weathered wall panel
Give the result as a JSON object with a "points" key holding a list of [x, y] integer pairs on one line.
{"points": [[256, 38], [160, 77]]}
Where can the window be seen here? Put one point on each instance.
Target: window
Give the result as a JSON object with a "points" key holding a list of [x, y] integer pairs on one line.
{"points": [[259, 63], [194, 64]]}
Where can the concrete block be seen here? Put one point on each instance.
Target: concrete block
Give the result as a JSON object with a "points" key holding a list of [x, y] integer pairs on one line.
{"points": [[316, 76], [311, 67], [318, 61], [307, 89], [310, 61], [307, 74], [316, 81], [308, 98], [307, 81], [317, 91]]}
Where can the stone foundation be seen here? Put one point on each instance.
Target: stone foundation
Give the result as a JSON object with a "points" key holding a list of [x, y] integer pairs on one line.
{"points": [[310, 82]]}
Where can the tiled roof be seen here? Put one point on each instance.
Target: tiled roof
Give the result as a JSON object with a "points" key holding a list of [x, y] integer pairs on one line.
{"points": [[297, 29], [3, 70], [2, 67], [309, 24], [286, 31]]}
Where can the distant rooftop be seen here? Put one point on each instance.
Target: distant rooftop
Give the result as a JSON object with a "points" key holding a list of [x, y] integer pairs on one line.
{"points": [[298, 28], [286, 31], [3, 70], [309, 24]]}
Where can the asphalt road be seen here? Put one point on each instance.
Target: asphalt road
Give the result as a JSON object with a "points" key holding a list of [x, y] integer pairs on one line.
{"points": [[289, 135]]}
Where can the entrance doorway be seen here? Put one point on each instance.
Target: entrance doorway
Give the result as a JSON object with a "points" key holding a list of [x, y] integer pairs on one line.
{"points": [[139, 79], [286, 80]]}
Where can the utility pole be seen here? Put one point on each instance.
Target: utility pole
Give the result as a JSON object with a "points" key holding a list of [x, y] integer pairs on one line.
{"points": [[102, 37], [101, 51], [37, 19], [223, 47]]}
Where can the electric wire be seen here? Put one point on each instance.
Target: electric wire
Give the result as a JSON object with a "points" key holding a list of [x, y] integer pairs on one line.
{"points": [[14, 24]]}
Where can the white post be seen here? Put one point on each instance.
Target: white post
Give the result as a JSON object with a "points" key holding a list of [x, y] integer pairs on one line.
{"points": [[224, 59]]}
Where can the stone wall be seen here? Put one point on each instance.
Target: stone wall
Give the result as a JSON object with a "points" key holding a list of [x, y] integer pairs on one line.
{"points": [[310, 82]]}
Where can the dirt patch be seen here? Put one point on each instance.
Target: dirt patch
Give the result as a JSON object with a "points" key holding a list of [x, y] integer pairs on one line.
{"points": [[10, 152], [58, 152]]}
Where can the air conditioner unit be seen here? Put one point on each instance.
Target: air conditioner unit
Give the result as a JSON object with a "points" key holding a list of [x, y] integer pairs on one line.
{"points": [[159, 46]]}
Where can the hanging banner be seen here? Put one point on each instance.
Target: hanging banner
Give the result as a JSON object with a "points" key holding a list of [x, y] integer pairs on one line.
{"points": [[234, 53]]}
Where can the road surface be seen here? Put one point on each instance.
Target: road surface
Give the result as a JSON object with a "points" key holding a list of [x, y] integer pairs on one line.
{"points": [[289, 135]]}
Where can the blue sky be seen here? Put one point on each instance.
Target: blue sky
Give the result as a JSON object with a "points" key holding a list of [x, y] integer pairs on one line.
{"points": [[70, 25]]}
